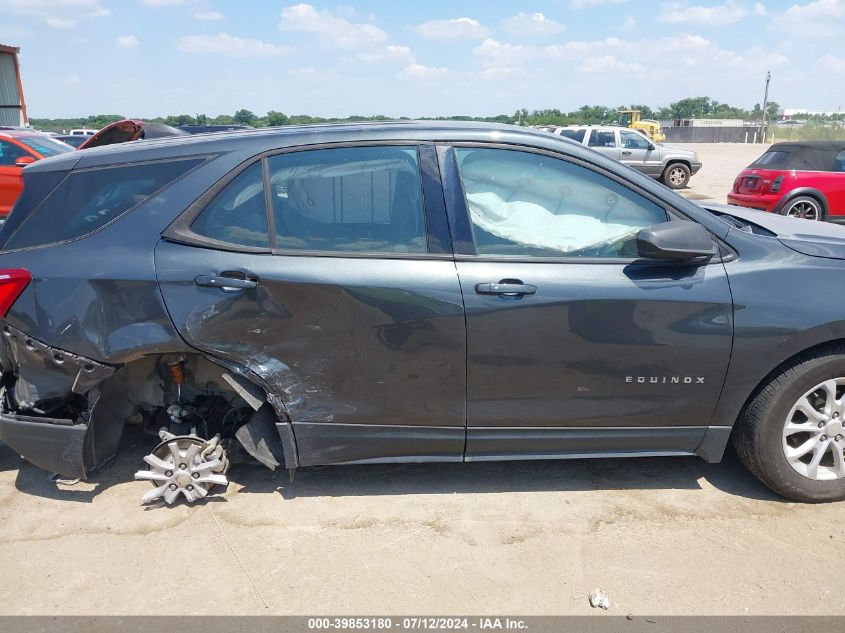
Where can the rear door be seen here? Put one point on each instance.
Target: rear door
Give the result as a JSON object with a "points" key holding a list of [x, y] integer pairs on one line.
{"points": [[11, 178], [329, 274], [576, 347], [605, 142]]}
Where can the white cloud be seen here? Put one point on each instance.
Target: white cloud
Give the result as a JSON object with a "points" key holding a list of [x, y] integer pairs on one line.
{"points": [[760, 9], [822, 18], [332, 30], [61, 23], [498, 73], [387, 54], [225, 44], [208, 15], [531, 24], [456, 29], [629, 23], [59, 14], [126, 41], [609, 64], [164, 3], [418, 72], [719, 15], [831, 64], [582, 4]]}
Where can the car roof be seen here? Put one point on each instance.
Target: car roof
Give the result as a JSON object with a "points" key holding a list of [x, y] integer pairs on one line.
{"points": [[18, 132], [265, 139]]}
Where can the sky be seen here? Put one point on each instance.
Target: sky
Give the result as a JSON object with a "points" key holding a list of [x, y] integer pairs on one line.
{"points": [[146, 58]]}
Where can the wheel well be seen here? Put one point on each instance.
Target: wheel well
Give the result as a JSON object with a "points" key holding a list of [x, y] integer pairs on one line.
{"points": [[816, 351], [679, 161], [818, 196]]}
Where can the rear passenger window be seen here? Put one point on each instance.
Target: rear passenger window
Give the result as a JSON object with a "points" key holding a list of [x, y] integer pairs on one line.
{"points": [[238, 214], [89, 199], [356, 199], [575, 135], [600, 138]]}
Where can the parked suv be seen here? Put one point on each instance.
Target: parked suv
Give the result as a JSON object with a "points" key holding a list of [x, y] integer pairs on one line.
{"points": [[803, 180], [673, 166], [410, 292]]}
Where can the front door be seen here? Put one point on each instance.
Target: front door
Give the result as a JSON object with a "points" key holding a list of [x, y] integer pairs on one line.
{"points": [[337, 298], [574, 346], [640, 153]]}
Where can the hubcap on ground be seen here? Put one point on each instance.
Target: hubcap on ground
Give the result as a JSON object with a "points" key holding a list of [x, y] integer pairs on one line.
{"points": [[178, 466], [813, 437]]}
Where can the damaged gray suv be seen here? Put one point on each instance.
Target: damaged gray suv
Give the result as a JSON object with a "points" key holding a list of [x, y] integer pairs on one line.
{"points": [[409, 292]]}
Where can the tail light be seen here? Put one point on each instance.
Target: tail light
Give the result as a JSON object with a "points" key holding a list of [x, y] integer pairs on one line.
{"points": [[736, 183], [12, 283], [776, 185]]}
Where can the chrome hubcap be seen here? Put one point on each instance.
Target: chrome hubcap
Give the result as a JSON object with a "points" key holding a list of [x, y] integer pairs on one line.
{"points": [[184, 465], [814, 434], [805, 209], [677, 176]]}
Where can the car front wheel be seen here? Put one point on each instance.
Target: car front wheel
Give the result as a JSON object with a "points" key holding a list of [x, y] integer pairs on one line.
{"points": [[803, 207], [676, 176], [792, 434]]}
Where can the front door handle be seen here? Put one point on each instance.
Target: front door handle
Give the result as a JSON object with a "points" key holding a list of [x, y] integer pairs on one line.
{"points": [[224, 282], [626, 153], [505, 288]]}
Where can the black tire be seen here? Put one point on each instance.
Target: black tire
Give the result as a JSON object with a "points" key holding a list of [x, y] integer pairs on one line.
{"points": [[758, 435], [806, 207], [675, 176]]}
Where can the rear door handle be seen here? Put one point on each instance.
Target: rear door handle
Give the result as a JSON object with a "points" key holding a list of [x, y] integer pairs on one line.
{"points": [[226, 283], [505, 288]]}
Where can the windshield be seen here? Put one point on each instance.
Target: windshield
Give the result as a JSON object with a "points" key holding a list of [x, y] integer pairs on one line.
{"points": [[45, 145]]}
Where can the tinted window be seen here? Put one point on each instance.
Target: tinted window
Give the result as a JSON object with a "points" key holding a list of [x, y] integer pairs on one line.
{"points": [[45, 145], [632, 140], [357, 199], [601, 138], [772, 159], [839, 161], [575, 135], [238, 214], [9, 153], [89, 199], [524, 204]]}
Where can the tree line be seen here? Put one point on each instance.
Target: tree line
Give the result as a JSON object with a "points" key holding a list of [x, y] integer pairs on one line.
{"points": [[692, 107]]}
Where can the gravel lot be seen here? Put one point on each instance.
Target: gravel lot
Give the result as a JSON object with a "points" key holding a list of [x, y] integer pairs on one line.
{"points": [[659, 536]]}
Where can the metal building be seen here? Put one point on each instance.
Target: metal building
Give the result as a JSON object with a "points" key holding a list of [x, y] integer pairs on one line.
{"points": [[12, 104]]}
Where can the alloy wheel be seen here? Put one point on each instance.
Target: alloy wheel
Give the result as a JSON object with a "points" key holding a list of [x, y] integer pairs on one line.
{"points": [[813, 432], [805, 209]]}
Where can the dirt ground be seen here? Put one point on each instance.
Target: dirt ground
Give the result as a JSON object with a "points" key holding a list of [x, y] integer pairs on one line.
{"points": [[721, 162], [659, 536]]}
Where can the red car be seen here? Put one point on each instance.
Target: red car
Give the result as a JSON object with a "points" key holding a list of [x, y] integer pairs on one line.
{"points": [[18, 148], [804, 180]]}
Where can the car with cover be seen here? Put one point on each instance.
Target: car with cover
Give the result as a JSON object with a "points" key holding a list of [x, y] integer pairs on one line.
{"points": [[803, 179], [408, 292], [673, 166]]}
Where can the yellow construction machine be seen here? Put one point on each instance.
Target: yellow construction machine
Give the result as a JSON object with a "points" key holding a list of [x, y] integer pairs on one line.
{"points": [[631, 119]]}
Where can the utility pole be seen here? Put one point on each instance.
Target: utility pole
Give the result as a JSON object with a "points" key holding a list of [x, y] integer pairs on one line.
{"points": [[765, 105]]}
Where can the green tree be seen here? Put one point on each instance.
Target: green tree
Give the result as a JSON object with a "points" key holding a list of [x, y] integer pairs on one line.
{"points": [[245, 117], [276, 118]]}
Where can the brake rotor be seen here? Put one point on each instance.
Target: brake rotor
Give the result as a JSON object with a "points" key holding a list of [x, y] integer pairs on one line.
{"points": [[184, 465]]}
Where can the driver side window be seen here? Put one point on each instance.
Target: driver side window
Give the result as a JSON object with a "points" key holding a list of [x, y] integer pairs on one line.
{"points": [[523, 204]]}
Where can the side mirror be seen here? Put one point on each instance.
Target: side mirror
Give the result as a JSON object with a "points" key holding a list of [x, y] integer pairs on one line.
{"points": [[23, 161], [679, 240]]}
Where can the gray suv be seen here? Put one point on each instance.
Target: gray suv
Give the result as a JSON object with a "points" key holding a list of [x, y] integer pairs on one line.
{"points": [[408, 292], [673, 166]]}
